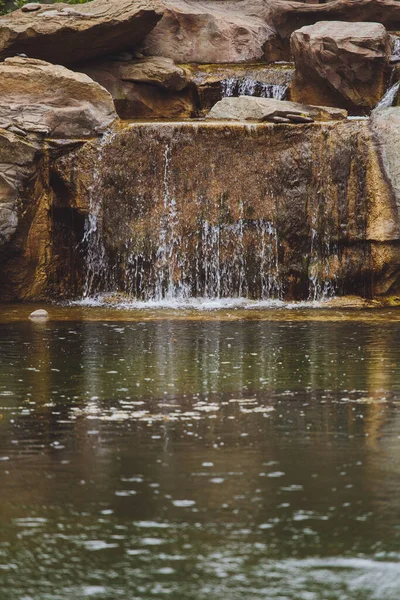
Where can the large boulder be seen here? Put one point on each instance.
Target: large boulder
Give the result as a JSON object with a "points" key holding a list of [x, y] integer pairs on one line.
{"points": [[289, 15], [63, 34], [341, 64], [152, 87], [52, 101], [250, 108], [212, 32]]}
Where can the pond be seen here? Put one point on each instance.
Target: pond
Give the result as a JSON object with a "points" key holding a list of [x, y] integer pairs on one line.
{"points": [[193, 455]]}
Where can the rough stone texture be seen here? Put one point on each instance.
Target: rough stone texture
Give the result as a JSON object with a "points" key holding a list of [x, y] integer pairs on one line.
{"points": [[249, 108], [156, 70], [214, 82], [211, 32], [314, 195], [341, 64], [386, 128], [287, 16], [153, 87], [61, 33], [18, 163], [51, 100]]}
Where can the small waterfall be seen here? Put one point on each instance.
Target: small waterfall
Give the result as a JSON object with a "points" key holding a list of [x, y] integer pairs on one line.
{"points": [[179, 211], [395, 47], [96, 258], [389, 97], [247, 86]]}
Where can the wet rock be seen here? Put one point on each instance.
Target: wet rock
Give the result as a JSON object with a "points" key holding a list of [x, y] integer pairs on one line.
{"points": [[151, 87], [51, 100], [39, 315], [340, 64], [214, 82], [248, 108], [63, 34], [212, 32]]}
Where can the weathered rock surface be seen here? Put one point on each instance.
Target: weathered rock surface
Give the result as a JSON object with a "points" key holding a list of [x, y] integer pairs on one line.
{"points": [[289, 15], [342, 64], [63, 34], [386, 128], [316, 197], [214, 82], [250, 108], [152, 87], [211, 32], [51, 100], [19, 160]]}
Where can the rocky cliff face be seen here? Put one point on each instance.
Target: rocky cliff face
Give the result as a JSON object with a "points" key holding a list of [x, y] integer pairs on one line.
{"points": [[213, 210], [229, 206]]}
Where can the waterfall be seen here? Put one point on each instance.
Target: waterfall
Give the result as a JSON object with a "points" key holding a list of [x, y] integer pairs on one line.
{"points": [[181, 211], [395, 47], [246, 86], [389, 98]]}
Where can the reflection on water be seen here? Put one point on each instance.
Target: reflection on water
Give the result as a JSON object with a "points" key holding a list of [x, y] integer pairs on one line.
{"points": [[200, 459]]}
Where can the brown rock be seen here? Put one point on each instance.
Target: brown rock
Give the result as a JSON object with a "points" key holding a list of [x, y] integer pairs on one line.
{"points": [[51, 100], [344, 64], [148, 88], [214, 82], [289, 15], [61, 33], [249, 108], [212, 32]]}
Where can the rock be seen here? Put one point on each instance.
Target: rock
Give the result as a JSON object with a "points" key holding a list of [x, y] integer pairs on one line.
{"points": [[340, 64], [289, 15], [152, 87], [249, 108], [62, 34], [212, 32], [19, 159], [39, 315], [385, 124], [31, 7], [51, 100], [214, 82], [156, 70]]}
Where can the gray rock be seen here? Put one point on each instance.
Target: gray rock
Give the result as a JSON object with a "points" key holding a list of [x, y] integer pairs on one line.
{"points": [[249, 108], [39, 315], [31, 7]]}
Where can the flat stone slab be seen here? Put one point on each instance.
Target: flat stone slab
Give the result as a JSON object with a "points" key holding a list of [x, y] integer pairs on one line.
{"points": [[250, 108]]}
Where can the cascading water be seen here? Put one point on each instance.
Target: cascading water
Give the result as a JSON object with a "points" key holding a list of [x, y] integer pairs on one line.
{"points": [[247, 86], [389, 97], [181, 211]]}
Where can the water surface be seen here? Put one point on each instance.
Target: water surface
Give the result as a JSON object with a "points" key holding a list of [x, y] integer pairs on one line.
{"points": [[234, 454]]}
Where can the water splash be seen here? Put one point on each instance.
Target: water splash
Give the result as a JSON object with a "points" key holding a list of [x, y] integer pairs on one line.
{"points": [[247, 86]]}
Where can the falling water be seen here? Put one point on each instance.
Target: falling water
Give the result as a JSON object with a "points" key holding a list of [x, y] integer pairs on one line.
{"points": [[389, 97], [97, 264], [247, 86], [176, 220]]}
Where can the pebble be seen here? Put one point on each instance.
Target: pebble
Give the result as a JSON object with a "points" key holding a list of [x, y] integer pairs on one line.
{"points": [[39, 315]]}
